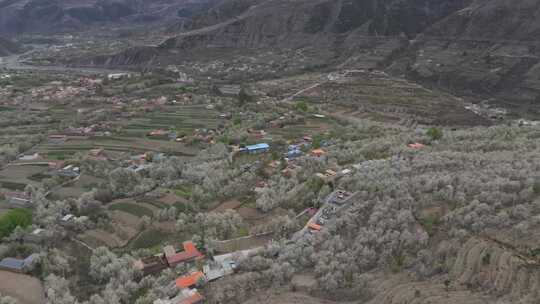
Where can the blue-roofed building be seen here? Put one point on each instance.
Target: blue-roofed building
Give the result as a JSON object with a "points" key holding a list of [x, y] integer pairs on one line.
{"points": [[12, 264], [294, 153], [16, 265], [258, 148]]}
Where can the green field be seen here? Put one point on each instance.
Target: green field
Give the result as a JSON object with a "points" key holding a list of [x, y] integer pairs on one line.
{"points": [[149, 238], [132, 208], [179, 118]]}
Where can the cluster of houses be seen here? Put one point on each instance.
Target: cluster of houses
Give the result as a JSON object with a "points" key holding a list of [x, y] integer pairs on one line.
{"points": [[90, 131], [162, 134], [219, 266], [334, 202], [18, 199], [141, 162]]}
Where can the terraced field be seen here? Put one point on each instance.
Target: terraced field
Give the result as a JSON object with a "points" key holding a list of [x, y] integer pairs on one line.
{"points": [[179, 118], [484, 272], [114, 144]]}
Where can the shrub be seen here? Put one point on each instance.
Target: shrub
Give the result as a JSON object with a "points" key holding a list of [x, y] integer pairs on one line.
{"points": [[434, 133], [13, 219], [301, 106]]}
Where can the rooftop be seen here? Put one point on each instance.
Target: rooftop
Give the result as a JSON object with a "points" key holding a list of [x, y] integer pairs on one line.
{"points": [[190, 252], [189, 280], [12, 263], [258, 146]]}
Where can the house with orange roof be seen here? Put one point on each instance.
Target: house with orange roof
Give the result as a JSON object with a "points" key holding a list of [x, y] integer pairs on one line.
{"points": [[190, 280], [318, 152], [315, 227], [416, 146], [190, 253], [186, 296]]}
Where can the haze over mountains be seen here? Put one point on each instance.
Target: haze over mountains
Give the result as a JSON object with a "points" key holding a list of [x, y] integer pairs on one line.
{"points": [[39, 16], [269, 151], [482, 47]]}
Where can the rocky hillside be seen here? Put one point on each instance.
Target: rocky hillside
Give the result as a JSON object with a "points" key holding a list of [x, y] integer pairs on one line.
{"points": [[489, 47], [22, 16], [325, 32], [482, 47]]}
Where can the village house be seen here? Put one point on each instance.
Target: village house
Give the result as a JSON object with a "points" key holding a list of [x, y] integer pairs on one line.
{"points": [[258, 148], [416, 146], [82, 131], [29, 157], [68, 171], [56, 164], [186, 296], [36, 236], [318, 153], [328, 175], [340, 197], [17, 199], [67, 218], [190, 280], [190, 253], [216, 270], [158, 133], [97, 154], [230, 90], [17, 265], [313, 227], [118, 76], [138, 168], [152, 264], [57, 139], [294, 151]]}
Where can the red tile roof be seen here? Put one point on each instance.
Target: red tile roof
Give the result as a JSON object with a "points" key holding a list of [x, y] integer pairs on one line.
{"points": [[190, 252], [189, 280], [416, 146], [314, 226]]}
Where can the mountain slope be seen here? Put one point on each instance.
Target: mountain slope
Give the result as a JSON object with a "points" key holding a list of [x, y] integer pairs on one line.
{"points": [[327, 31], [22, 16], [8, 47], [485, 48], [489, 48]]}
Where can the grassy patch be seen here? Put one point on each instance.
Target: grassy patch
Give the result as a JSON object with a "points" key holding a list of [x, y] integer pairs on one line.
{"points": [[242, 231], [248, 202], [13, 219], [430, 224], [134, 209], [184, 208], [183, 191], [159, 205], [13, 186], [149, 238]]}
